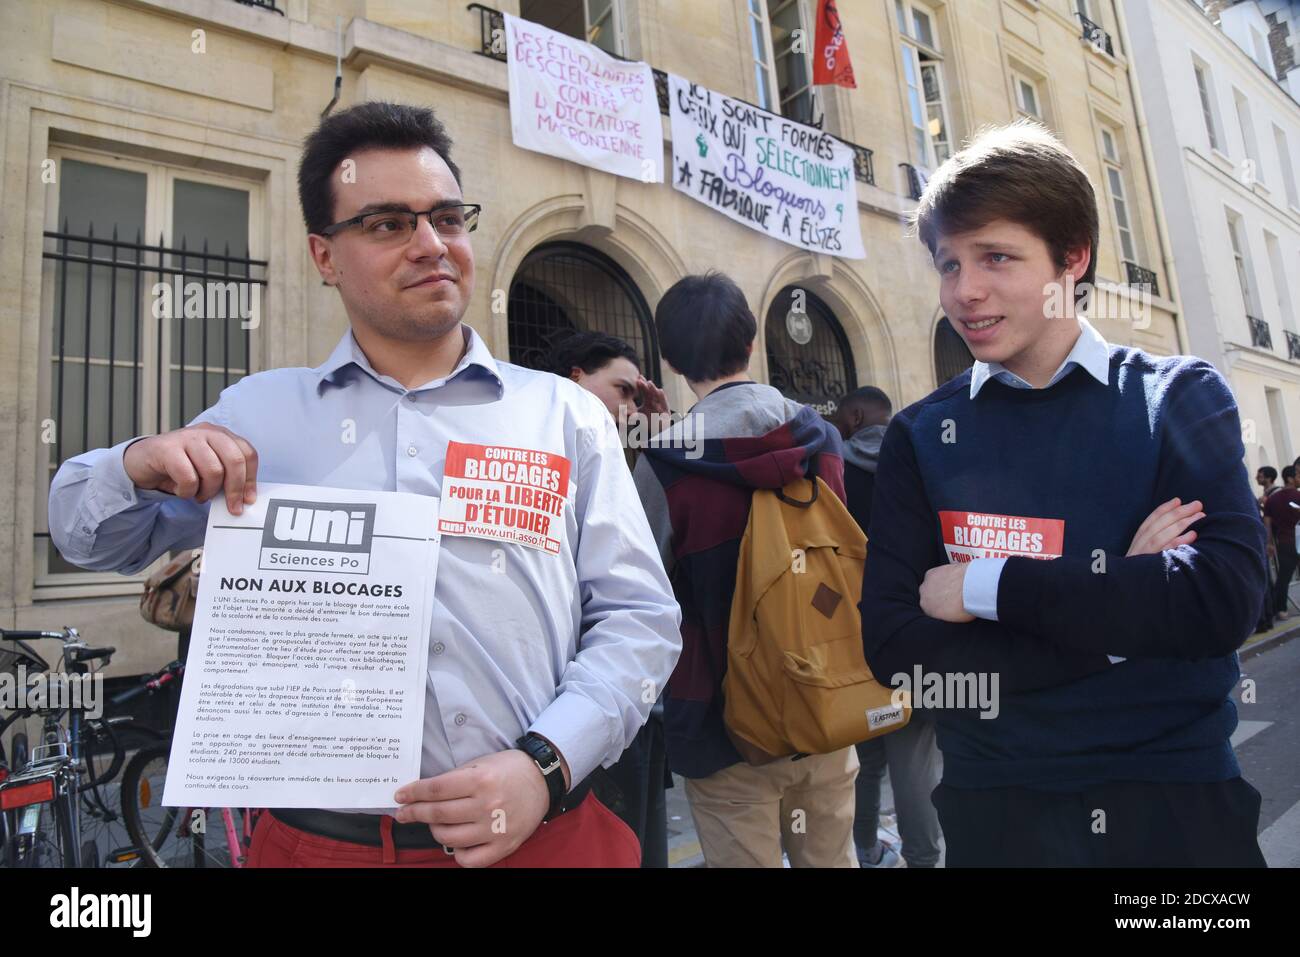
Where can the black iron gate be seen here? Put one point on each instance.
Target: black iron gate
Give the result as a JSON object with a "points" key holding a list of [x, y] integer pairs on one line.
{"points": [[808, 355], [565, 287], [951, 357]]}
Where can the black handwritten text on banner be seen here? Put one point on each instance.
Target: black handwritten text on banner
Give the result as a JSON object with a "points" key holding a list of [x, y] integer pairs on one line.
{"points": [[790, 181]]}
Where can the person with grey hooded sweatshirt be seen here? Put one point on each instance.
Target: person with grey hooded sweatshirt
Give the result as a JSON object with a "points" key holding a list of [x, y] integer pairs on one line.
{"points": [[862, 417], [696, 481], [910, 753]]}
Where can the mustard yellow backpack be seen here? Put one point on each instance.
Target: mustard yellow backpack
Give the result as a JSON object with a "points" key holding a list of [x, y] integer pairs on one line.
{"points": [[796, 679]]}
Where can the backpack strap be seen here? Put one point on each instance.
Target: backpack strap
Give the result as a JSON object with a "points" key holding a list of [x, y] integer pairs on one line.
{"points": [[797, 503]]}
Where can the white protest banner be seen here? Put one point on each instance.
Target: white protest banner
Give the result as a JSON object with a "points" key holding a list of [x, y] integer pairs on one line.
{"points": [[573, 100], [305, 681], [790, 181]]}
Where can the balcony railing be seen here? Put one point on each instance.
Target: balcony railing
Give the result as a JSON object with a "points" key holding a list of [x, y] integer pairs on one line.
{"points": [[916, 179], [1094, 34], [864, 168], [492, 43], [263, 4], [1260, 336], [1292, 345], [1137, 276]]}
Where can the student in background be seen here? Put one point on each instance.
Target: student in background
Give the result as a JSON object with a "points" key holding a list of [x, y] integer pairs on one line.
{"points": [[861, 417], [910, 753], [1281, 511], [609, 368], [698, 501], [1266, 479]]}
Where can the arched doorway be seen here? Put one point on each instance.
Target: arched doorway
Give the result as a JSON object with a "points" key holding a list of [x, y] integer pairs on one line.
{"points": [[808, 355], [951, 357], [565, 287]]}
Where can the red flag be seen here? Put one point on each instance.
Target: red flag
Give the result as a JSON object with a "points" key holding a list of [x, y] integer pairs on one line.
{"points": [[831, 57]]}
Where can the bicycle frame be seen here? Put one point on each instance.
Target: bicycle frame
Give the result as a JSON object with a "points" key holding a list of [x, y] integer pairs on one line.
{"points": [[62, 770]]}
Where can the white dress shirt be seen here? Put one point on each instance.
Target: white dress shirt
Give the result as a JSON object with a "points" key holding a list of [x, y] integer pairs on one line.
{"points": [[574, 646]]}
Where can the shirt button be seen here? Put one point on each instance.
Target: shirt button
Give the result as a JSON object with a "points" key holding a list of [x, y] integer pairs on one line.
{"points": [[410, 397], [439, 648], [460, 720], [412, 451]]}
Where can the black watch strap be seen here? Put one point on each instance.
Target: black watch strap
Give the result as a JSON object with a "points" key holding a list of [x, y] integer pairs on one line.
{"points": [[548, 762]]}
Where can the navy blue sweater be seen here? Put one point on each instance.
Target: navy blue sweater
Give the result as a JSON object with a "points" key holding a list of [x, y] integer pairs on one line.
{"points": [[1086, 463]]}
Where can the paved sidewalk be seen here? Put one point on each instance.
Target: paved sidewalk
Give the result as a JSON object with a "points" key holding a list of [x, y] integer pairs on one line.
{"points": [[684, 846]]}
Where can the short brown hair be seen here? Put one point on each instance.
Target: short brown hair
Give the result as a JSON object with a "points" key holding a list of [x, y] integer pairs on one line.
{"points": [[705, 327], [1020, 173]]}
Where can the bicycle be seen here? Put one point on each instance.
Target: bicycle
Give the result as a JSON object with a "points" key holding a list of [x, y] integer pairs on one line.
{"points": [[176, 836], [50, 798]]}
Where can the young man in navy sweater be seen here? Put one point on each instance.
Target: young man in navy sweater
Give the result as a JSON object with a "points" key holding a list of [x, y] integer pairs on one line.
{"points": [[1115, 660]]}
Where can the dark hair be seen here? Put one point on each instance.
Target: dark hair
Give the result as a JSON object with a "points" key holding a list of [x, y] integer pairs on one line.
{"points": [[868, 395], [705, 327], [1270, 473], [1020, 173], [1288, 472], [373, 125], [588, 351]]}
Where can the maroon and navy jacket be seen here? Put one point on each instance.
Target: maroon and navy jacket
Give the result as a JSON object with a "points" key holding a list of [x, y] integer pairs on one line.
{"points": [[697, 498]]}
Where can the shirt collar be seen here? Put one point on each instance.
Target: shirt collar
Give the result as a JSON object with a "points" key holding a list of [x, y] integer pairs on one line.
{"points": [[1090, 351], [477, 359]]}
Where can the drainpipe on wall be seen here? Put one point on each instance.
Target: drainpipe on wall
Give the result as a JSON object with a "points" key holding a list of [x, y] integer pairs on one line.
{"points": [[1148, 160], [338, 68]]}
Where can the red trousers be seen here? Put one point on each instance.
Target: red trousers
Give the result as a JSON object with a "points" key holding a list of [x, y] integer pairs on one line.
{"points": [[590, 835]]}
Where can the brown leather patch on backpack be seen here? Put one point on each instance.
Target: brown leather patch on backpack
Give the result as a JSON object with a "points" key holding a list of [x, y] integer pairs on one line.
{"points": [[826, 600]]}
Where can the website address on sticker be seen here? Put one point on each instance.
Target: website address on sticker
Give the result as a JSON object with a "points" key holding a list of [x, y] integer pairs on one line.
{"points": [[960, 558], [539, 541], [536, 541]]}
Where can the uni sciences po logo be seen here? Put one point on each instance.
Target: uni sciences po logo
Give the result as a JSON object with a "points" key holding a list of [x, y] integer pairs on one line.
{"points": [[325, 536]]}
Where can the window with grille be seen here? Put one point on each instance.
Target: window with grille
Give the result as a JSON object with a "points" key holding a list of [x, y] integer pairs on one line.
{"points": [[562, 288], [951, 355], [150, 299], [808, 355]]}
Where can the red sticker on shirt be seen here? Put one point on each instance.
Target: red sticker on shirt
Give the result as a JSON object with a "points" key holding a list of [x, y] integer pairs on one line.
{"points": [[971, 535], [507, 494]]}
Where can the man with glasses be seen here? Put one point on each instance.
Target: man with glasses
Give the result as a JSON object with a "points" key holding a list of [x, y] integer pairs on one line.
{"points": [[539, 662]]}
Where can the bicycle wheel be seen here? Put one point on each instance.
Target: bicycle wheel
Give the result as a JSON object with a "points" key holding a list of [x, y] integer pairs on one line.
{"points": [[168, 836]]}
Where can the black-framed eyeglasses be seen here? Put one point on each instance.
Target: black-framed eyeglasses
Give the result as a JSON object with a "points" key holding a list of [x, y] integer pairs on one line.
{"points": [[399, 225]]}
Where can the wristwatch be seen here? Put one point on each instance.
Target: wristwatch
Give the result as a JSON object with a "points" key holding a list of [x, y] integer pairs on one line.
{"points": [[548, 762]]}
